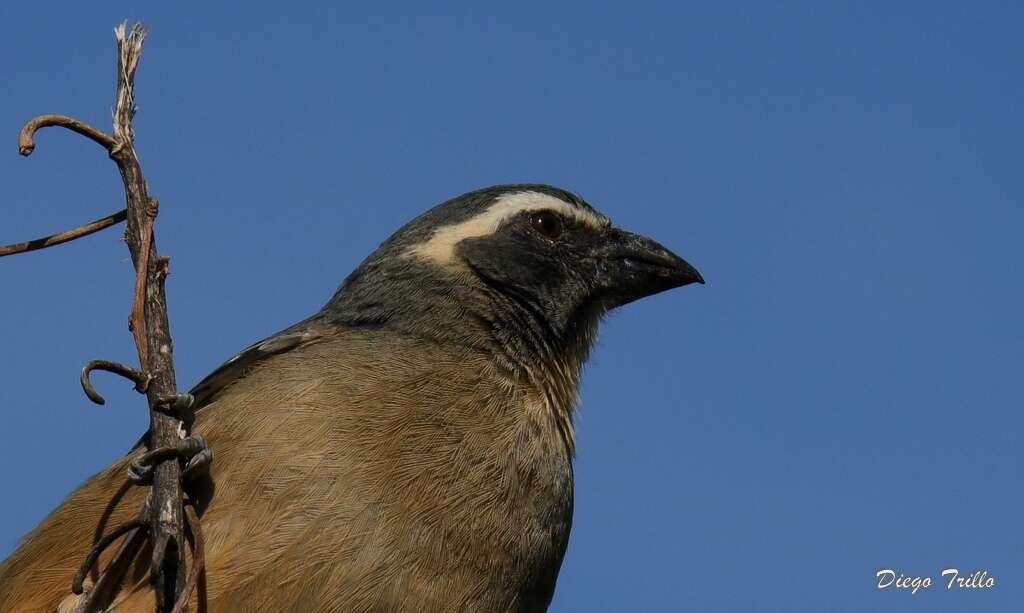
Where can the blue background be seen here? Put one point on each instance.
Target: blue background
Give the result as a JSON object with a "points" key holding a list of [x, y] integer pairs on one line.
{"points": [[843, 395]]}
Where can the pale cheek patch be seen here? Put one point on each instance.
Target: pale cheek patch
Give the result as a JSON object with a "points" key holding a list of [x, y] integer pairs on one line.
{"points": [[440, 247]]}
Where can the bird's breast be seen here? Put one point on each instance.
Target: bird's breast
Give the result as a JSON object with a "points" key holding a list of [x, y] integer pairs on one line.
{"points": [[388, 474]]}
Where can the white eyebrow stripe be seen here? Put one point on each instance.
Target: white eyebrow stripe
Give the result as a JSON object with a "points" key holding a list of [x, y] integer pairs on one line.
{"points": [[440, 247]]}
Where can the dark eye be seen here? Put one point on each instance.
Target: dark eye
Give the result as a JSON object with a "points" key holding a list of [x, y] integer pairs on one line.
{"points": [[547, 223]]}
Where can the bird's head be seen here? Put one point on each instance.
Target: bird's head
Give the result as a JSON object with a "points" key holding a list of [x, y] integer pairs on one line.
{"points": [[531, 268]]}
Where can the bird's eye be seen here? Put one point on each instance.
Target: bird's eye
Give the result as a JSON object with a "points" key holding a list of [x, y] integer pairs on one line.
{"points": [[547, 223]]}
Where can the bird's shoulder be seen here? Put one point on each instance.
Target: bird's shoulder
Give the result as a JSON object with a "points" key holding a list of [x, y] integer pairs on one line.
{"points": [[310, 330], [367, 362]]}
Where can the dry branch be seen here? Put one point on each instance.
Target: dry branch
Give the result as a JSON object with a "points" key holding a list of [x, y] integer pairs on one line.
{"points": [[163, 518], [63, 237]]}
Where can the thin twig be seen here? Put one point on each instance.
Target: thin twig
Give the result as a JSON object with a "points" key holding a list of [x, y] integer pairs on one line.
{"points": [[103, 591], [27, 144], [137, 318], [100, 546], [187, 447], [67, 235], [27, 138], [140, 379], [198, 560]]}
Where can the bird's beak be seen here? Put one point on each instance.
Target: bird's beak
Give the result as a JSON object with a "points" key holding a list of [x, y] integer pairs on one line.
{"points": [[631, 266]]}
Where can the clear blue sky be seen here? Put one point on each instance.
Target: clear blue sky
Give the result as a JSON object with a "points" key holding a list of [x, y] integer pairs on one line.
{"points": [[843, 395]]}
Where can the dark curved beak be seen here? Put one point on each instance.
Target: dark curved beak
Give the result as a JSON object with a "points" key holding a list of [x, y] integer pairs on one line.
{"points": [[631, 266]]}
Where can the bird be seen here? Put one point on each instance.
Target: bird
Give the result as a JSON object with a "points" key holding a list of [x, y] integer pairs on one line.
{"points": [[409, 447]]}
